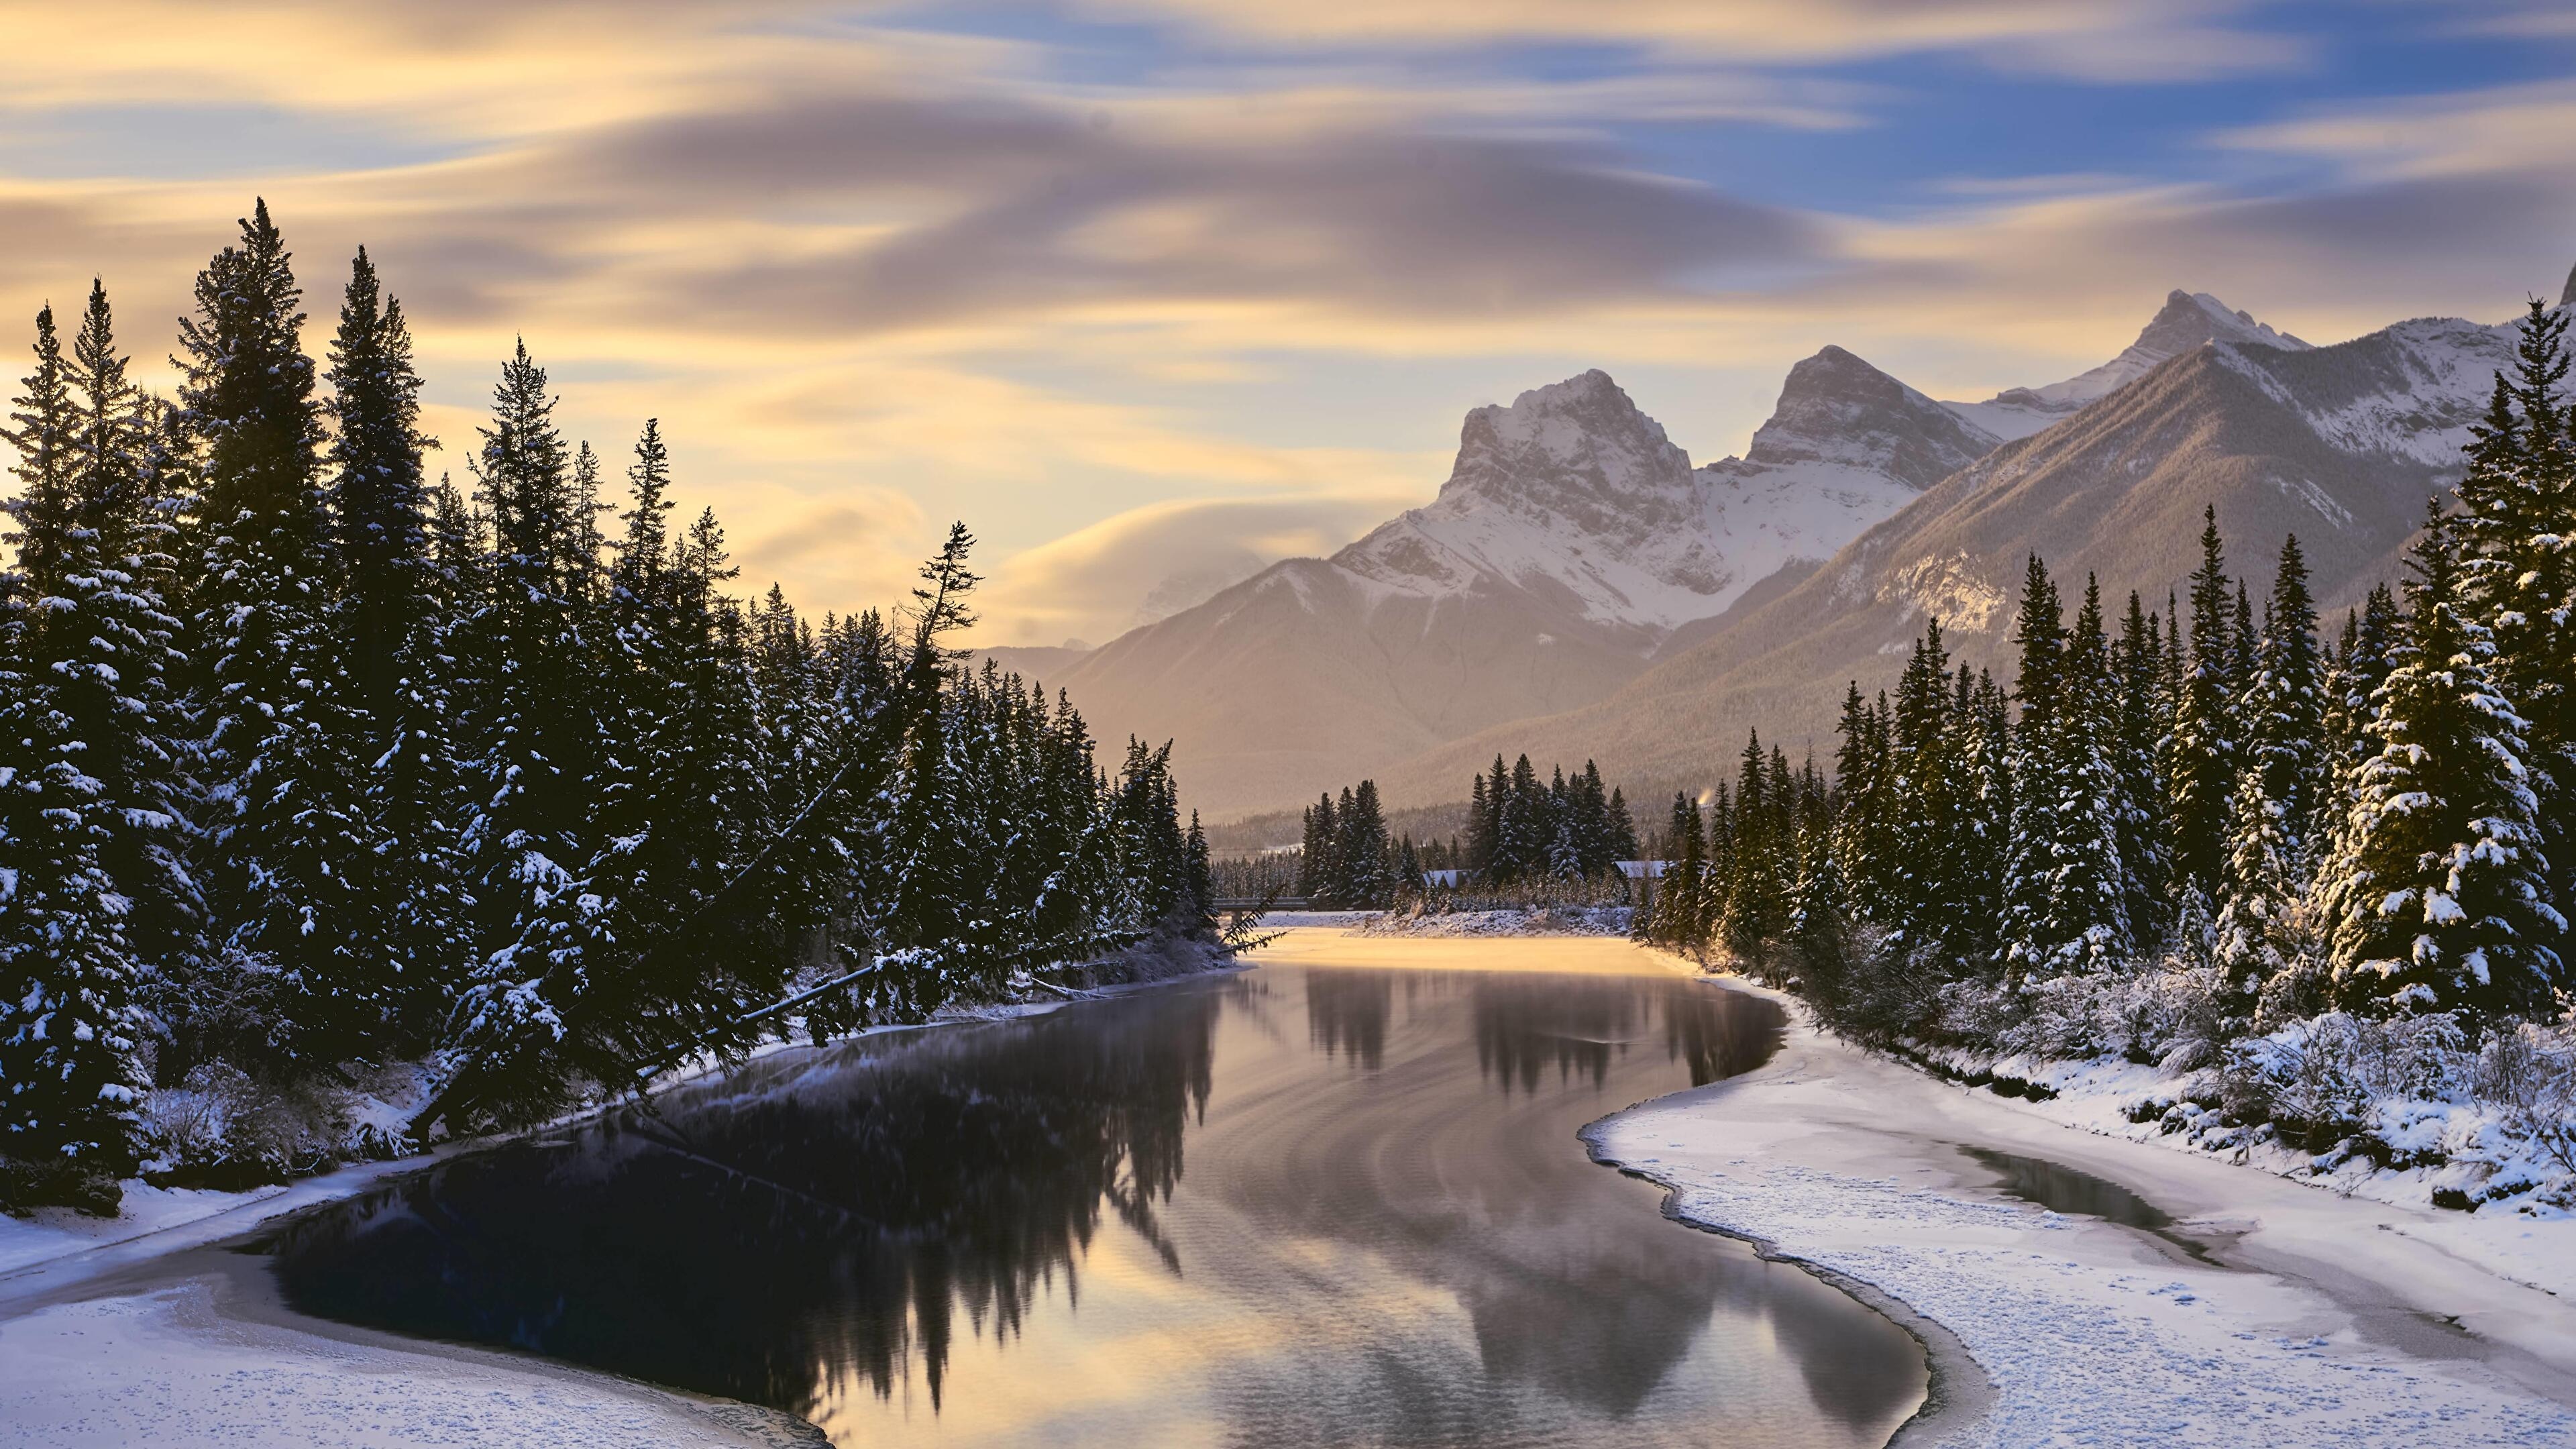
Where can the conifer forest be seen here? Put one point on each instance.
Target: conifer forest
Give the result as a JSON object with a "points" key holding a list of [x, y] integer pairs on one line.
{"points": [[2209, 831], [317, 766]]}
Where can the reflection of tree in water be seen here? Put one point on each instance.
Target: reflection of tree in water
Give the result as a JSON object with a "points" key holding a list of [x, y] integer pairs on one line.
{"points": [[1346, 1012], [800, 1226], [1524, 1024], [1579, 1304], [1719, 1033]]}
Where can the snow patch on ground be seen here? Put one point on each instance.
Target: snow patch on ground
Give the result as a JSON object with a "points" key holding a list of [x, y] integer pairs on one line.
{"points": [[2295, 1317], [2526, 1241], [1540, 921], [171, 1368]]}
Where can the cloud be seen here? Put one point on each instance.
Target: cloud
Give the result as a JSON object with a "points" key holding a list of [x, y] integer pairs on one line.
{"points": [[1150, 562], [1141, 322], [2091, 39]]}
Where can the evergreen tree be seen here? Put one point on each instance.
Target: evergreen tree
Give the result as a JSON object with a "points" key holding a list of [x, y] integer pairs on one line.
{"points": [[2137, 767], [2437, 900], [1316, 867], [1678, 909], [2283, 708], [2201, 753], [2518, 513], [283, 826], [1921, 910], [69, 1031], [393, 635], [1620, 828], [2262, 933], [1755, 907]]}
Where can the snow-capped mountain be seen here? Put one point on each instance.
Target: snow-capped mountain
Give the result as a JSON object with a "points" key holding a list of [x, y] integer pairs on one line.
{"points": [[1579, 588], [1571, 540], [2187, 320], [2340, 445], [1573, 493]]}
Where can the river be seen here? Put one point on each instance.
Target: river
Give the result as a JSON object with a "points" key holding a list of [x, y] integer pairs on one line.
{"points": [[1336, 1199]]}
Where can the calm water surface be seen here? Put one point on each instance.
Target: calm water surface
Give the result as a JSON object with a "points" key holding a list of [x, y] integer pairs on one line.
{"points": [[1302, 1205]]}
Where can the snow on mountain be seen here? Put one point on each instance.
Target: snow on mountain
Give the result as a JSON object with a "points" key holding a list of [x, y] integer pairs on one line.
{"points": [[2408, 391], [1571, 493], [2187, 320]]}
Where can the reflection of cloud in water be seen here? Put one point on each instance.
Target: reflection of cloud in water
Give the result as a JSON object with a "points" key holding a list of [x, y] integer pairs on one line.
{"points": [[1394, 1254]]}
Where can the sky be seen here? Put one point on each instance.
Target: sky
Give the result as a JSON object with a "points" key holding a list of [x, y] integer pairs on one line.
{"points": [[1149, 292]]}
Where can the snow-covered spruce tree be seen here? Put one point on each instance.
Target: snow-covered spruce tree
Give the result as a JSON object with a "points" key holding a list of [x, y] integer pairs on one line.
{"points": [[1478, 850], [2436, 901], [115, 641], [69, 1033], [1920, 911], [1756, 906], [1521, 848], [1678, 909], [2518, 564], [1199, 882], [1862, 847], [1315, 867], [1592, 832], [2069, 899], [283, 831], [2201, 751], [1985, 793], [2282, 710], [1822, 948], [2143, 719], [2362, 660], [533, 744], [2264, 935], [392, 630], [1366, 883]]}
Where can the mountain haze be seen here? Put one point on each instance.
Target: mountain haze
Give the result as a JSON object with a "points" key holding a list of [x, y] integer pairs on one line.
{"points": [[1579, 589], [1571, 542]]}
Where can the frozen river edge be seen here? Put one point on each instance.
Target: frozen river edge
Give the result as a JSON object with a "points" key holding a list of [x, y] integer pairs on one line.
{"points": [[2267, 1312]]}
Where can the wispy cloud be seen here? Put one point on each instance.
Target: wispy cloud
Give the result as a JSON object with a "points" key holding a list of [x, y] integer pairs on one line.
{"points": [[1215, 282]]}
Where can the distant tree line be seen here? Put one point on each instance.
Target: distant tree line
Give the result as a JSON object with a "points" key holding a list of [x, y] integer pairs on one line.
{"points": [[309, 763], [1345, 860], [2381, 825], [1520, 830]]}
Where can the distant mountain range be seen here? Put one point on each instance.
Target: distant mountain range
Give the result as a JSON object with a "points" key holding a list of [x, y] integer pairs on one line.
{"points": [[1578, 589]]}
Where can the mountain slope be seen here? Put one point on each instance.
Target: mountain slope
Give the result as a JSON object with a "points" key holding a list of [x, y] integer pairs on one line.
{"points": [[2339, 444], [1571, 540]]}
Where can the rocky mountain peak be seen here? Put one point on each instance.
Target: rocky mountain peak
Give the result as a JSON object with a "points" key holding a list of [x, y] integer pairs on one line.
{"points": [[2567, 294], [2189, 319], [2185, 321], [1578, 445], [1837, 409]]}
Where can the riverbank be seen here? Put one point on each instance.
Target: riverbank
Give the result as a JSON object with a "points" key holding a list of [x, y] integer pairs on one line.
{"points": [[143, 1328], [2262, 1311]]}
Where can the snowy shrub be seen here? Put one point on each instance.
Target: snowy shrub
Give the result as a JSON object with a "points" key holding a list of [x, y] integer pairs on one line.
{"points": [[2527, 1071], [2172, 1015], [2070, 1017], [2337, 1075], [221, 1128]]}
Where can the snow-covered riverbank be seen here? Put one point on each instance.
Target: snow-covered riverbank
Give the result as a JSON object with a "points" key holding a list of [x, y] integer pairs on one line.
{"points": [[2267, 1312]]}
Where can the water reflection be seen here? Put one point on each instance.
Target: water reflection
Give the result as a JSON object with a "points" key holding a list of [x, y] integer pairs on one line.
{"points": [[808, 1224], [987, 1234]]}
